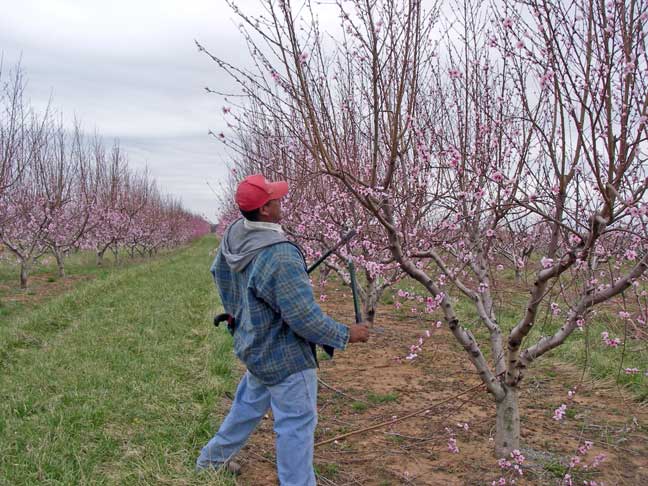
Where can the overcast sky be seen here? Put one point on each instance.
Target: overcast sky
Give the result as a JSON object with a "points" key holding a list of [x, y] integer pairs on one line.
{"points": [[130, 70]]}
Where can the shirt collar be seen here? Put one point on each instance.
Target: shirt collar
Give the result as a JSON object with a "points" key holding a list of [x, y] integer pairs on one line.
{"points": [[262, 225]]}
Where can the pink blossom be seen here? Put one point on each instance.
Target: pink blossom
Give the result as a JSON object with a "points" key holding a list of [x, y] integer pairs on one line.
{"points": [[559, 413], [546, 262], [574, 461], [514, 466], [575, 240], [454, 73], [611, 342], [598, 460], [503, 463], [517, 456], [452, 445], [587, 445], [630, 255], [555, 310]]}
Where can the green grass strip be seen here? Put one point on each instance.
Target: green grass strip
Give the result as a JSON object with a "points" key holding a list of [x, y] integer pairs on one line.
{"points": [[118, 381]]}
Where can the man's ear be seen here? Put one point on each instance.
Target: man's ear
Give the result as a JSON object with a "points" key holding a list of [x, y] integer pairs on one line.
{"points": [[263, 210]]}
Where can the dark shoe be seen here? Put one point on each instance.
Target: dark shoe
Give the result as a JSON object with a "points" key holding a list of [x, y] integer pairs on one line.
{"points": [[233, 467], [230, 466]]}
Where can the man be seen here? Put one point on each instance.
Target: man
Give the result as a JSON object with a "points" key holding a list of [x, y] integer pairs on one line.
{"points": [[263, 284]]}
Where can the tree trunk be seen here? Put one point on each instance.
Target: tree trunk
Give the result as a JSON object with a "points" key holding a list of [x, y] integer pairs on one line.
{"points": [[371, 302], [115, 252], [24, 274], [372, 296], [370, 314], [100, 255], [60, 259], [507, 429], [323, 275]]}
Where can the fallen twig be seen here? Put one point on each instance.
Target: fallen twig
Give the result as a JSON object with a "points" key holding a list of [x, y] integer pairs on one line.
{"points": [[322, 382], [404, 417]]}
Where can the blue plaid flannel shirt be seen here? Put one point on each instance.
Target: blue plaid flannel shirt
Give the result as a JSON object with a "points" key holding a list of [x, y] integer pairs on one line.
{"points": [[276, 313]]}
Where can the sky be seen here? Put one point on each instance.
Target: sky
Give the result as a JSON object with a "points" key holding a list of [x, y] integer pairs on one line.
{"points": [[130, 70]]}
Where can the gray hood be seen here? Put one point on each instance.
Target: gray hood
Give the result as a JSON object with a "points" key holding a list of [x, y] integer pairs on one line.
{"points": [[241, 245]]}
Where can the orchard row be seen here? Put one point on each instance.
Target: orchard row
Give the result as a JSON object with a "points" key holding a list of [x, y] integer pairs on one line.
{"points": [[61, 191]]}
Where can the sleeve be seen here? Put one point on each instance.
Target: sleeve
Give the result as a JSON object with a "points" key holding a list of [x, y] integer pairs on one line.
{"points": [[284, 285], [223, 280]]}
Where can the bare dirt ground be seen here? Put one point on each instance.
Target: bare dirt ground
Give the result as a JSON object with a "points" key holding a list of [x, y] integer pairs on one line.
{"points": [[41, 288], [373, 387]]}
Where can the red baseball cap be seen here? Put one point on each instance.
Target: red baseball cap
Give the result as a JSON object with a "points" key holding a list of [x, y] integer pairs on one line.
{"points": [[255, 190]]}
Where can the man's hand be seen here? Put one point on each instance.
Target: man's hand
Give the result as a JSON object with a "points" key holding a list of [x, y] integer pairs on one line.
{"points": [[358, 333]]}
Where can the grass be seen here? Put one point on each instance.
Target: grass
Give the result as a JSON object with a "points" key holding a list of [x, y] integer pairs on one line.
{"points": [[359, 406], [44, 282], [328, 470], [570, 413], [118, 381], [379, 398]]}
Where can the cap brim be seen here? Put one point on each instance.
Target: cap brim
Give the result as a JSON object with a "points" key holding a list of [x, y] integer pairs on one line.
{"points": [[278, 189]]}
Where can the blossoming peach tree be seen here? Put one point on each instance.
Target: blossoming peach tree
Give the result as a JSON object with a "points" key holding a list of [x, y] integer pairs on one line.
{"points": [[461, 135]]}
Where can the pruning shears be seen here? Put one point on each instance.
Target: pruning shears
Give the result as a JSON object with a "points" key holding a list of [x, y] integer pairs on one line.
{"points": [[354, 291]]}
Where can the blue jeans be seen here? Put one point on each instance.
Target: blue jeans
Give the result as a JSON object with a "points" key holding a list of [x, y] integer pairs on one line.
{"points": [[294, 407]]}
